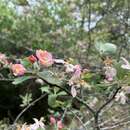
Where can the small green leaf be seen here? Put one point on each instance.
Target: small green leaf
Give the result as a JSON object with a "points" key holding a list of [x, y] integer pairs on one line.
{"points": [[52, 100], [56, 89], [26, 99], [45, 89], [19, 80], [21, 2], [36, 66], [25, 62], [61, 93]]}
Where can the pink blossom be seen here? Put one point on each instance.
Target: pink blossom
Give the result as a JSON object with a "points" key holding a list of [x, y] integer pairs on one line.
{"points": [[110, 73], [52, 120], [77, 72], [45, 58], [18, 69], [76, 75], [60, 125]]}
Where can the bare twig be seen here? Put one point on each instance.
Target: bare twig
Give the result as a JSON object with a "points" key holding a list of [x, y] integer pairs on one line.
{"points": [[26, 108], [89, 26], [96, 116], [109, 100], [114, 126], [78, 119]]}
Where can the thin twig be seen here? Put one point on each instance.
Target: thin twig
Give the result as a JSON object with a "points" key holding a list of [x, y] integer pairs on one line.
{"points": [[96, 116], [109, 100], [78, 119], [114, 126], [26, 108]]}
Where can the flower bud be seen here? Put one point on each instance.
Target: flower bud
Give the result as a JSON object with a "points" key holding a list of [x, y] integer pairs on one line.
{"points": [[32, 58], [52, 120], [39, 81]]}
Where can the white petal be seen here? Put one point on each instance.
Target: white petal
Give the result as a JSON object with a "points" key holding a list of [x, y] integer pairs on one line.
{"points": [[125, 61], [73, 91], [59, 61], [125, 67]]}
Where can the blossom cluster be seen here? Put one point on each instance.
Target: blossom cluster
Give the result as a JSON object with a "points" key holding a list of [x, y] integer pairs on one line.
{"points": [[45, 59]]}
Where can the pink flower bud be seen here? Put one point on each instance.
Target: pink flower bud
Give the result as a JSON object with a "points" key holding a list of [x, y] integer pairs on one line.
{"points": [[32, 58], [3, 58], [77, 72], [45, 58], [52, 120], [18, 69], [110, 73]]}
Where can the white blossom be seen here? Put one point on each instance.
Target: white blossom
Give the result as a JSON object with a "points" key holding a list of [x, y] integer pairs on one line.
{"points": [[126, 64], [121, 97]]}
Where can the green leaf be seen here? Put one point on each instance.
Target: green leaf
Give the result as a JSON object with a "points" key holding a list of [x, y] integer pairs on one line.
{"points": [[21, 2], [52, 100], [45, 89], [50, 77], [25, 62], [61, 93], [26, 99], [19, 80], [106, 48], [56, 89], [120, 71]]}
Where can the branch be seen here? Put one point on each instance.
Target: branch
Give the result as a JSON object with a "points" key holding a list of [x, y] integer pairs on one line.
{"points": [[109, 100], [114, 126], [69, 93], [96, 116], [83, 125], [26, 108], [6, 79], [116, 123], [89, 27]]}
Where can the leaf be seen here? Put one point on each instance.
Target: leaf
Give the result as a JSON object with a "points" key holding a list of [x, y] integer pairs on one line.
{"points": [[26, 99], [45, 89], [49, 77], [56, 89], [21, 2], [25, 62], [120, 72], [20, 80], [61, 93], [36, 66], [73, 91], [52, 100], [106, 48]]}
